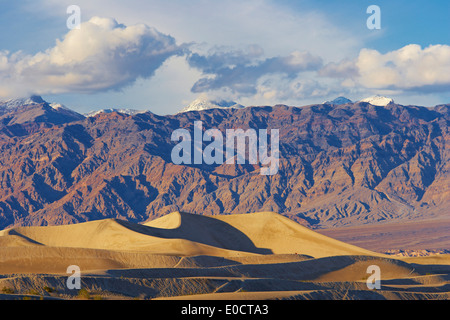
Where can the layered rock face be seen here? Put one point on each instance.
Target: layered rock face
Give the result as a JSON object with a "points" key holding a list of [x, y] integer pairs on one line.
{"points": [[347, 164]]}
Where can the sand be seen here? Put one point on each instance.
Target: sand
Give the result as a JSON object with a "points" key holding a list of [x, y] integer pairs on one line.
{"points": [[249, 256]]}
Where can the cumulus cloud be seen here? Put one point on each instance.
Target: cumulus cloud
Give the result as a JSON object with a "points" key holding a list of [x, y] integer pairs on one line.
{"points": [[277, 27], [411, 68], [100, 56], [239, 71], [105, 55]]}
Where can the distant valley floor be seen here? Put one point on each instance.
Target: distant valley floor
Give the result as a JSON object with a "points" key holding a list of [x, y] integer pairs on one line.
{"points": [[432, 234]]}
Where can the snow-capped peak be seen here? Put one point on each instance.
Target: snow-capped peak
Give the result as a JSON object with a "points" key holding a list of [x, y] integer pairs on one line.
{"points": [[378, 100], [338, 101], [204, 103], [14, 103]]}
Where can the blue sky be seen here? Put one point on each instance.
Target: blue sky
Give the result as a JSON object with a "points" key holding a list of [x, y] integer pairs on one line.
{"points": [[160, 55]]}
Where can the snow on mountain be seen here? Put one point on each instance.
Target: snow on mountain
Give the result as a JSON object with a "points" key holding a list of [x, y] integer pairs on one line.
{"points": [[338, 101], [58, 106], [11, 104], [33, 100], [378, 100], [125, 111], [36, 109], [205, 104], [15, 103]]}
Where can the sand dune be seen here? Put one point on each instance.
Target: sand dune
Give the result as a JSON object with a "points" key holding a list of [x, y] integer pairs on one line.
{"points": [[249, 256], [263, 233], [109, 234], [260, 238], [186, 234], [357, 271], [282, 235]]}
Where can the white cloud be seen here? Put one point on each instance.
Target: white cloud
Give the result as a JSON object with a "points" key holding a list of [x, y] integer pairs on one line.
{"points": [[262, 52], [264, 30], [410, 68], [277, 28], [102, 55]]}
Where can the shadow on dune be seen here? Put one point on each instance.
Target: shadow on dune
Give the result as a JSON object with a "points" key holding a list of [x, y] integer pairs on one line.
{"points": [[202, 229], [13, 232]]}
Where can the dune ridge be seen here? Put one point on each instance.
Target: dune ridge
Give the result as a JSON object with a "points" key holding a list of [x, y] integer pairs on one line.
{"points": [[185, 234]]}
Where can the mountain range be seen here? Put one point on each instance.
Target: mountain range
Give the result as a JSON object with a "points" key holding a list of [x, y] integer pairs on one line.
{"points": [[340, 164]]}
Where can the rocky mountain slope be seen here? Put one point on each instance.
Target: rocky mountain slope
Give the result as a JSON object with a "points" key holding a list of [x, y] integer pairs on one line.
{"points": [[347, 164]]}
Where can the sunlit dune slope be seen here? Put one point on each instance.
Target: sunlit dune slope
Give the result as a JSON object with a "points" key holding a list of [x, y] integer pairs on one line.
{"points": [[186, 234], [264, 232]]}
